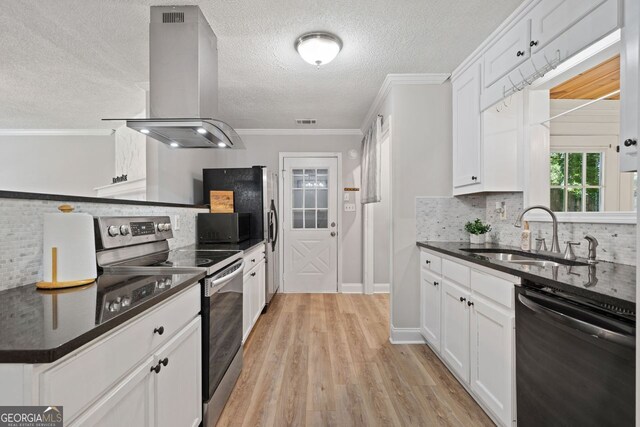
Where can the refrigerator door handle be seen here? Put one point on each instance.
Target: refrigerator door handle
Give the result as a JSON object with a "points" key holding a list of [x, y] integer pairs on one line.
{"points": [[277, 226]]}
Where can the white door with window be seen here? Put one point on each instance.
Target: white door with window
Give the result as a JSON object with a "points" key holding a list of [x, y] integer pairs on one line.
{"points": [[310, 224]]}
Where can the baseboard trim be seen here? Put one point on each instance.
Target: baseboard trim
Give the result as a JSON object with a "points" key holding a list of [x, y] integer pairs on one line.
{"points": [[381, 288], [406, 336], [352, 288]]}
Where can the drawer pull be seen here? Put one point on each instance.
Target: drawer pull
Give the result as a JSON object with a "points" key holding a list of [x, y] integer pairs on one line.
{"points": [[253, 260], [520, 53], [469, 303], [427, 262], [435, 283], [253, 274], [165, 361], [156, 368], [159, 330], [533, 43], [462, 299]]}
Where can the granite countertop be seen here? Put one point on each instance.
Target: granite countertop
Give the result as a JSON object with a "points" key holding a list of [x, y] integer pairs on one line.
{"points": [[246, 246], [604, 282], [39, 326]]}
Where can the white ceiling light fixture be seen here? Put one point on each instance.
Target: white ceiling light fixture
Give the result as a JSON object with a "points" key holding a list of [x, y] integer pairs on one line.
{"points": [[318, 48]]}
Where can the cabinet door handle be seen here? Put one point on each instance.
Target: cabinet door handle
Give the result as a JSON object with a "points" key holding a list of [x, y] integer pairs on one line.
{"points": [[159, 330], [474, 178], [427, 262], [533, 43], [156, 368], [629, 142], [520, 53], [469, 303], [253, 274], [435, 283], [462, 299], [253, 260], [165, 361]]}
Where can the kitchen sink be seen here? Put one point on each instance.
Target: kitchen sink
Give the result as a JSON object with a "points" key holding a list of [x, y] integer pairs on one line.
{"points": [[523, 258]]}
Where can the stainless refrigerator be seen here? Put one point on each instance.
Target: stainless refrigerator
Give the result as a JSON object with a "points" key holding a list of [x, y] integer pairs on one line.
{"points": [[256, 192]]}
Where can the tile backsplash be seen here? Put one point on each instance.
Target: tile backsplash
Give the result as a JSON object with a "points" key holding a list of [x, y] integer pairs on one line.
{"points": [[21, 222], [443, 219]]}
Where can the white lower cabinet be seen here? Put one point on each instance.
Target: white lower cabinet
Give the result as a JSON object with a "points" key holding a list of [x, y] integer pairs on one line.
{"points": [[112, 381], [455, 328], [253, 290], [430, 313], [169, 397], [492, 344], [474, 334], [177, 392]]}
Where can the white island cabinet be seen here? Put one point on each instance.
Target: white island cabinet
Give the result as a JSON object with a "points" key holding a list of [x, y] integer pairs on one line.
{"points": [[132, 375], [475, 333]]}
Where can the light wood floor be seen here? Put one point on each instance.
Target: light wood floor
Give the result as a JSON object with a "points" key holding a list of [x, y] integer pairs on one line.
{"points": [[326, 360]]}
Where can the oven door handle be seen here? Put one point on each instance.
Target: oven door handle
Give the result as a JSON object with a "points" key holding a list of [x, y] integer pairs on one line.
{"points": [[580, 325], [215, 285]]}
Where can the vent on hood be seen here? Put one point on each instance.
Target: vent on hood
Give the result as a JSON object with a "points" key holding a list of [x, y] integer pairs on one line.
{"points": [[183, 82], [306, 122], [173, 17]]}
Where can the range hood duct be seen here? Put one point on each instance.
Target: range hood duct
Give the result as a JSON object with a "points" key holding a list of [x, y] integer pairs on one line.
{"points": [[183, 82]]}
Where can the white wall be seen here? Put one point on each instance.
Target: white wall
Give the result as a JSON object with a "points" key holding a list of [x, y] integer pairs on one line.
{"points": [[72, 165], [421, 159], [179, 177]]}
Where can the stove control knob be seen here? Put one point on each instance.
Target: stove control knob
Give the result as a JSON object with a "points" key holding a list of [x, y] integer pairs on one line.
{"points": [[125, 230], [113, 231], [126, 302], [167, 226], [114, 306], [168, 282], [161, 227]]}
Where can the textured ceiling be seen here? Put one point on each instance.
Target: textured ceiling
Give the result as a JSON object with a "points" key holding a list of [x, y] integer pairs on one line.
{"points": [[69, 63]]}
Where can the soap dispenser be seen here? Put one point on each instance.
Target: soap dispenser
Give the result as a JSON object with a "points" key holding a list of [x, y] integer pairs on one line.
{"points": [[525, 237]]}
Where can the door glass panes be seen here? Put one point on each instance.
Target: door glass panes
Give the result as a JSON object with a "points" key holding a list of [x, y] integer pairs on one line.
{"points": [[310, 198]]}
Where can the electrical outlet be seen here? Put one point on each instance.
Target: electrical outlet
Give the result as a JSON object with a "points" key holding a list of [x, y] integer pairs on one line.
{"points": [[349, 207], [501, 208], [176, 222]]}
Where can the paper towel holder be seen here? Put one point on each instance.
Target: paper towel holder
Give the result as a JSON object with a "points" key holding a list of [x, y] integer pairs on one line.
{"points": [[54, 283]]}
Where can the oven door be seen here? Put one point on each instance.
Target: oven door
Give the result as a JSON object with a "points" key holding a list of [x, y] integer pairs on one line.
{"points": [[573, 366], [222, 325]]}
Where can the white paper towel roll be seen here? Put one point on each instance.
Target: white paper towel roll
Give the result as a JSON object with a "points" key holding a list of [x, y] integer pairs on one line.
{"points": [[73, 261]]}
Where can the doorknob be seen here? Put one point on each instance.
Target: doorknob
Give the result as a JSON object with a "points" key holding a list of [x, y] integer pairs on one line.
{"points": [[333, 234], [333, 224]]}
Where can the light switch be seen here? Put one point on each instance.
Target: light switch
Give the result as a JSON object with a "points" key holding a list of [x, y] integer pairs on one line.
{"points": [[176, 222], [349, 207]]}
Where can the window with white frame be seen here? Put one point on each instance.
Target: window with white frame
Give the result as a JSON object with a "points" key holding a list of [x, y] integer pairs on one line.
{"points": [[576, 180]]}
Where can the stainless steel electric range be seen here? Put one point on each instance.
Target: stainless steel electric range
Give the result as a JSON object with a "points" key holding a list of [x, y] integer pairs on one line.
{"points": [[139, 245]]}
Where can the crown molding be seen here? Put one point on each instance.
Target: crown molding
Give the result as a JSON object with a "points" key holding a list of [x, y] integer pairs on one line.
{"points": [[400, 79], [56, 132], [285, 132]]}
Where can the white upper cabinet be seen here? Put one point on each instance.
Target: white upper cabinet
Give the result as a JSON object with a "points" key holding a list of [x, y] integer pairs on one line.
{"points": [[629, 88], [551, 18], [467, 128], [509, 51]]}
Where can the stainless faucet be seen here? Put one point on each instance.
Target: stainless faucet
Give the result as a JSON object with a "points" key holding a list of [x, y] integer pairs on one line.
{"points": [[593, 244], [555, 245]]}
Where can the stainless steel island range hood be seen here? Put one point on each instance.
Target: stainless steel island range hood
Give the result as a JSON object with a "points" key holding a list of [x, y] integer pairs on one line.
{"points": [[183, 82]]}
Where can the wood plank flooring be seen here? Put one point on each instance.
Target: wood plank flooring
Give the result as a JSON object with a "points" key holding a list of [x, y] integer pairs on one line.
{"points": [[326, 360]]}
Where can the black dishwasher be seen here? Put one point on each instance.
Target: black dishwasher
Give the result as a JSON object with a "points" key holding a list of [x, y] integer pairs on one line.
{"points": [[575, 361]]}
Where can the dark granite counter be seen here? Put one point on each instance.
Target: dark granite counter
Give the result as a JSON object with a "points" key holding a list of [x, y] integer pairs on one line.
{"points": [[246, 246], [604, 282], [39, 326]]}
